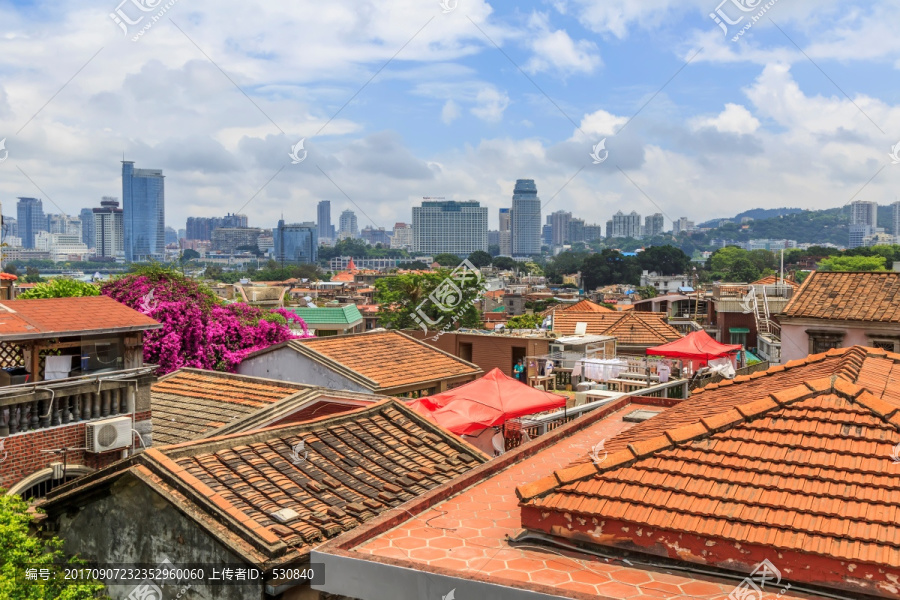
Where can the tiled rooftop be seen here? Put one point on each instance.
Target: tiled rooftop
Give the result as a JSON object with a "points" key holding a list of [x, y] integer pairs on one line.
{"points": [[587, 306], [189, 402], [465, 535], [839, 296], [333, 473], [23, 319], [341, 315], [805, 473], [389, 358], [632, 328]]}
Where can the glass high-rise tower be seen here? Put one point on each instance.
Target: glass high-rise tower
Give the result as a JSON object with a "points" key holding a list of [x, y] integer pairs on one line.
{"points": [[323, 219], [144, 213], [526, 219], [31, 219]]}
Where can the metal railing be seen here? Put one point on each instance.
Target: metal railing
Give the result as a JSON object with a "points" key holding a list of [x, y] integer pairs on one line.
{"points": [[33, 406]]}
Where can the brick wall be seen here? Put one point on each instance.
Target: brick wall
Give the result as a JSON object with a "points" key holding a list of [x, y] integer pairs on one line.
{"points": [[488, 351], [23, 451]]}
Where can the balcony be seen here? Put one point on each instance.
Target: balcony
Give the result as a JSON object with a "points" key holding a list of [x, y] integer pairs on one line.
{"points": [[33, 406]]}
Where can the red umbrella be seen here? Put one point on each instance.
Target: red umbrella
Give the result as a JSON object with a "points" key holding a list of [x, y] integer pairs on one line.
{"points": [[486, 402]]}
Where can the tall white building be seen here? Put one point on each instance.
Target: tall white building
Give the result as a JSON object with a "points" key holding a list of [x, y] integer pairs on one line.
{"points": [[61, 246], [446, 226], [895, 214], [349, 228], [505, 232], [559, 227], [525, 219], [109, 229], [682, 225], [626, 226], [403, 236], [654, 224], [863, 221]]}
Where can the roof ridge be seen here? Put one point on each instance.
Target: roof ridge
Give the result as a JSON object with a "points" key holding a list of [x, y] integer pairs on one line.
{"points": [[707, 426]]}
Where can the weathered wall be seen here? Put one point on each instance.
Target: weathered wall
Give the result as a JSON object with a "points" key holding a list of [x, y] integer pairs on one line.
{"points": [[134, 524], [286, 364]]}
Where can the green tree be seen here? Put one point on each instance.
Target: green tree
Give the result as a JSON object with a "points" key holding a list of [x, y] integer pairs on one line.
{"points": [[744, 270], [480, 258], [564, 263], [11, 269], [494, 250], [19, 550], [505, 263], [32, 275], [189, 254], [853, 263], [61, 287], [664, 260], [434, 294], [647, 291], [608, 267], [447, 259], [525, 322]]}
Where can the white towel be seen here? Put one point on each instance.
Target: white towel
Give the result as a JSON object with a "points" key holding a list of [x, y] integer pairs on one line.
{"points": [[57, 367]]}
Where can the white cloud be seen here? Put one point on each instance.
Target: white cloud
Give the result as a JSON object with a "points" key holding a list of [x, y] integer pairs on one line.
{"points": [[555, 50], [450, 112], [490, 104], [734, 119]]}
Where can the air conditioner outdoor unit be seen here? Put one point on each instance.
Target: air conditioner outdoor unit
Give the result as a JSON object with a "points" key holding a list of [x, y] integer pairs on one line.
{"points": [[109, 434]]}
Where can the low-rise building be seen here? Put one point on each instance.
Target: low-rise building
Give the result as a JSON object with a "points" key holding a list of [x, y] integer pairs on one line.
{"points": [[838, 310], [666, 284], [330, 320], [487, 350], [74, 390], [389, 363], [634, 331]]}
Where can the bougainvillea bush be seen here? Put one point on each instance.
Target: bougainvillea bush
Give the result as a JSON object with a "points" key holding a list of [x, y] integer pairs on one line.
{"points": [[199, 330]]}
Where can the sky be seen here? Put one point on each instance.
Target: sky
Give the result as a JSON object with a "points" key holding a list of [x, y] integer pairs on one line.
{"points": [[615, 105]]}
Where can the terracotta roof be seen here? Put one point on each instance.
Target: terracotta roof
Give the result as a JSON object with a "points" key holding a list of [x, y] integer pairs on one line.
{"points": [[59, 317], [840, 296], [344, 276], [495, 294], [190, 402], [8, 277], [631, 328], [587, 306], [387, 359], [775, 280], [463, 530], [806, 473], [333, 473]]}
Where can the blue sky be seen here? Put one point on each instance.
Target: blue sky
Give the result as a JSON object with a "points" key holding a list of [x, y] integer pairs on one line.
{"points": [[757, 122]]}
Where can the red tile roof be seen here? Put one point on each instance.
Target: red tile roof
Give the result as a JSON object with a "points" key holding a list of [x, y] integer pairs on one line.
{"points": [[334, 473], [463, 530], [587, 306], [871, 296], [388, 359], [8, 277], [630, 328], [767, 463], [59, 317], [775, 280]]}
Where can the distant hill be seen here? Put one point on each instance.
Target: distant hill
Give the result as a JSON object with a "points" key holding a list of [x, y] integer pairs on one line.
{"points": [[756, 214], [805, 226]]}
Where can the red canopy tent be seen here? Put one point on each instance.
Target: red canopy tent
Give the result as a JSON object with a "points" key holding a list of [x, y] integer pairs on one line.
{"points": [[486, 402], [697, 347]]}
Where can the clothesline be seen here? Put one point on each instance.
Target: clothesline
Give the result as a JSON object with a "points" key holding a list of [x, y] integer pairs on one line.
{"points": [[599, 369]]}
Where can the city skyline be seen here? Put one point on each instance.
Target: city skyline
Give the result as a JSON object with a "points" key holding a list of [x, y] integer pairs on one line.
{"points": [[469, 123]]}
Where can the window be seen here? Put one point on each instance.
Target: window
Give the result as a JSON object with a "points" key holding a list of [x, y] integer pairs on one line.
{"points": [[884, 344], [823, 341]]}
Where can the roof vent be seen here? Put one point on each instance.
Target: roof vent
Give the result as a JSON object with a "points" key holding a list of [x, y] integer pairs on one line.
{"points": [[285, 514], [640, 415]]}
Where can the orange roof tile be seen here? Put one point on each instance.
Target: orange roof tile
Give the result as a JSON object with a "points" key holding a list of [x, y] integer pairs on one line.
{"points": [[775, 280], [390, 359], [59, 317], [630, 328], [870, 296], [334, 473], [587, 306]]}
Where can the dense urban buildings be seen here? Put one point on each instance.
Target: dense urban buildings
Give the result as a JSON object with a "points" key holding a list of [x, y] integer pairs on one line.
{"points": [[682, 225], [31, 220], [403, 236], [349, 227], [448, 226], [144, 213], [375, 236], [626, 226], [109, 229], [525, 219], [296, 243], [229, 239]]}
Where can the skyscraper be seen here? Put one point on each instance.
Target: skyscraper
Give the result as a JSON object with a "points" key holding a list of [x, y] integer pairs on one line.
{"points": [[453, 227], [526, 219], [348, 225], [626, 226], [144, 213], [296, 242], [559, 224], [505, 232], [895, 219], [323, 219], [575, 231], [863, 221], [109, 230], [31, 219], [87, 224], [654, 224], [234, 221], [201, 228]]}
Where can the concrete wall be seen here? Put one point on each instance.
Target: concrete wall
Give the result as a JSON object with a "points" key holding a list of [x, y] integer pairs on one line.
{"points": [[134, 524], [488, 351], [286, 364], [795, 340]]}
